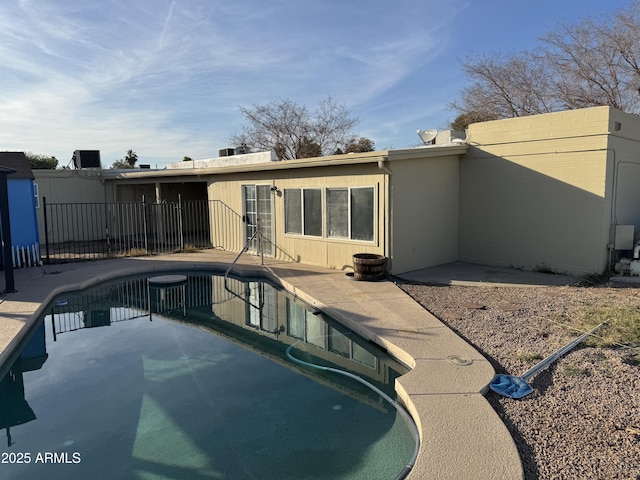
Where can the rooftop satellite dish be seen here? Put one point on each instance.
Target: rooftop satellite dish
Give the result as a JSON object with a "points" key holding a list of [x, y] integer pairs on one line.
{"points": [[427, 136]]}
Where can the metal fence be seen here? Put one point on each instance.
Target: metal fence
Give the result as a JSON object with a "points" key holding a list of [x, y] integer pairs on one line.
{"points": [[83, 231], [128, 300]]}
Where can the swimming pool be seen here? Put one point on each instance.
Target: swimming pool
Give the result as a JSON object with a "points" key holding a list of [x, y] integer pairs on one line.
{"points": [[193, 380]]}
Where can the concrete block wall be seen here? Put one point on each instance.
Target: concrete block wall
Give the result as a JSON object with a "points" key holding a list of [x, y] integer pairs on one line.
{"points": [[533, 192], [624, 169]]}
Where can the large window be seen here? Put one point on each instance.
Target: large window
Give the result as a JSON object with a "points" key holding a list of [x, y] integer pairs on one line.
{"points": [[304, 325], [349, 212], [292, 210], [312, 212], [361, 213], [341, 344], [338, 212], [303, 211]]}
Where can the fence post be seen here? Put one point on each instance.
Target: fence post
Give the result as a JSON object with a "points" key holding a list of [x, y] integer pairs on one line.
{"points": [[108, 215], [180, 222], [46, 229], [144, 222]]}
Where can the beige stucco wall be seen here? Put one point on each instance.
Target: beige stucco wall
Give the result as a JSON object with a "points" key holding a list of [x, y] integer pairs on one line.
{"points": [[424, 210], [160, 191], [415, 212], [624, 169], [323, 251], [71, 186], [534, 192], [233, 304]]}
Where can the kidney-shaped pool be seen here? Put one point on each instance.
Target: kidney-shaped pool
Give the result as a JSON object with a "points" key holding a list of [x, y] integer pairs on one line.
{"points": [[197, 377]]}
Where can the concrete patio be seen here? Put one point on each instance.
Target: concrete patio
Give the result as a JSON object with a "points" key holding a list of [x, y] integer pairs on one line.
{"points": [[461, 435]]}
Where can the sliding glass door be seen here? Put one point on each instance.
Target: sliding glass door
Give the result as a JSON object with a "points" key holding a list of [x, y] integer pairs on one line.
{"points": [[258, 213]]}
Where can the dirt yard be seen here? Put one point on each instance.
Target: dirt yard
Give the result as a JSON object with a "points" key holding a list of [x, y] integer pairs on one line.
{"points": [[583, 419]]}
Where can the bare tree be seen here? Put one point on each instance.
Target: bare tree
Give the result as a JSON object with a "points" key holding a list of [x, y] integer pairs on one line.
{"points": [[292, 131], [589, 64], [511, 86], [332, 125], [626, 37]]}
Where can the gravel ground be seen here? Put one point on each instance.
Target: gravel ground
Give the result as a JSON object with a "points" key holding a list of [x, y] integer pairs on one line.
{"points": [[583, 419]]}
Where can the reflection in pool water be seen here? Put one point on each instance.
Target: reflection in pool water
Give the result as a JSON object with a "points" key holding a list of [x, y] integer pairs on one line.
{"points": [[192, 381]]}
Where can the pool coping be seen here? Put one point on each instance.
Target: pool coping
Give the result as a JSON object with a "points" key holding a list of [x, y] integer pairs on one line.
{"points": [[462, 437]]}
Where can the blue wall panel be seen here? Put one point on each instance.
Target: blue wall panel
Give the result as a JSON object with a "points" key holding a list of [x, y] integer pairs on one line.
{"points": [[22, 212]]}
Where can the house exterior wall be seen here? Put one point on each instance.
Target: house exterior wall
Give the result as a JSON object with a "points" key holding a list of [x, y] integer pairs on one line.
{"points": [[424, 210], [322, 251], [418, 228], [535, 193], [624, 169], [160, 191], [136, 192], [237, 305], [71, 186]]}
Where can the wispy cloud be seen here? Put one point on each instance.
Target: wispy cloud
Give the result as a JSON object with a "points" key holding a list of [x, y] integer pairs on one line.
{"points": [[166, 77]]}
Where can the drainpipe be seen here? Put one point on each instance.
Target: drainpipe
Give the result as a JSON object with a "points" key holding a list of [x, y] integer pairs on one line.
{"points": [[388, 223], [383, 168]]}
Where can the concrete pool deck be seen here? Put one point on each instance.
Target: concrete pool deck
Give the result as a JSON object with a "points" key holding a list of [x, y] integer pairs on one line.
{"points": [[461, 435]]}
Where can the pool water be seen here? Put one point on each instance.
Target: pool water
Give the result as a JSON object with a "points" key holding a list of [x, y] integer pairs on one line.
{"points": [[126, 381]]}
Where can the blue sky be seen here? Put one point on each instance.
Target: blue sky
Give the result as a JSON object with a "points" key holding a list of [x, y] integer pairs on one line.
{"points": [[166, 77]]}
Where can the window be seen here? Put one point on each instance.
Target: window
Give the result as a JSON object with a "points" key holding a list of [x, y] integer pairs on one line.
{"points": [[313, 212], [339, 343], [350, 213], [304, 325], [292, 209], [338, 212], [362, 213], [363, 356], [314, 330], [296, 316], [303, 211], [342, 345]]}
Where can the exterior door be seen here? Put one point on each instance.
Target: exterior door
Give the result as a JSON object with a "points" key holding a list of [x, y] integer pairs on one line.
{"points": [[258, 214]]}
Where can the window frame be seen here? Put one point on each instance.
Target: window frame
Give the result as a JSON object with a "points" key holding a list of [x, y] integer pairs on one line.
{"points": [[303, 224], [287, 221], [349, 236], [324, 195]]}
